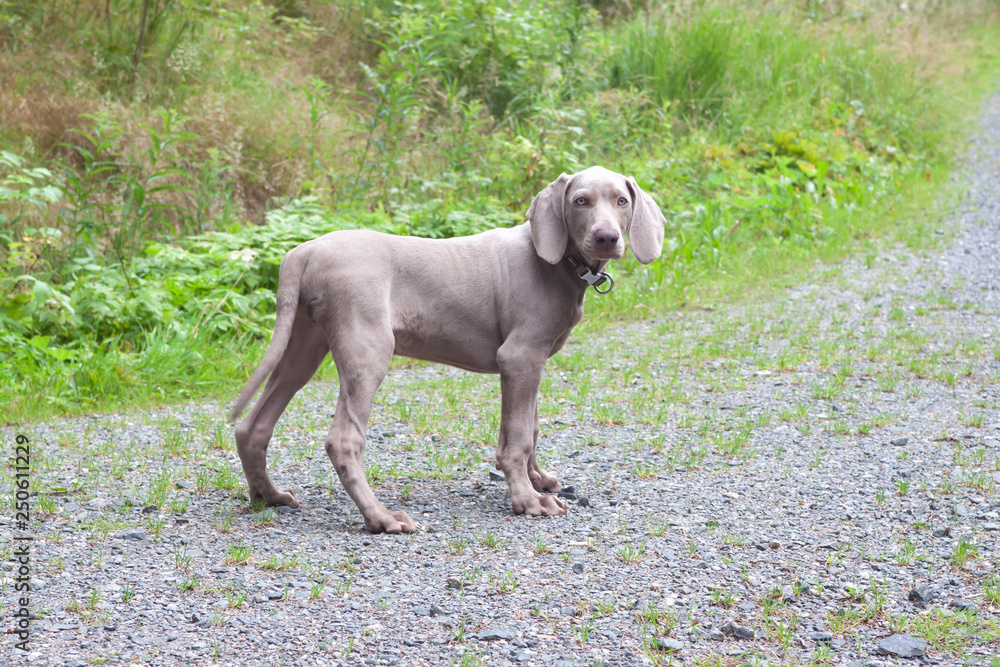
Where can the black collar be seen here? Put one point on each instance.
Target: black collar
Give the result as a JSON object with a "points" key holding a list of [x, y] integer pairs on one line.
{"points": [[593, 279]]}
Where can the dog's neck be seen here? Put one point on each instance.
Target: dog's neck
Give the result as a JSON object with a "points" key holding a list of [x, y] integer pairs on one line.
{"points": [[594, 276]]}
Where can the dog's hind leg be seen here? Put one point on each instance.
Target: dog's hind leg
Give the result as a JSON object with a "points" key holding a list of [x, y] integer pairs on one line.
{"points": [[362, 354], [306, 350]]}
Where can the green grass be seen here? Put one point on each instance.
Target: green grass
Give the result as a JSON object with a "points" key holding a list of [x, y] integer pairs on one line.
{"points": [[767, 153], [238, 554], [952, 632]]}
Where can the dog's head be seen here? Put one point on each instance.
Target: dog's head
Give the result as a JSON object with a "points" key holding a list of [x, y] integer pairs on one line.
{"points": [[591, 213]]}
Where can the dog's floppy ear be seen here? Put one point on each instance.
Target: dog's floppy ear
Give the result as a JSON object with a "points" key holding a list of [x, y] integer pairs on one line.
{"points": [[645, 229], [548, 220]]}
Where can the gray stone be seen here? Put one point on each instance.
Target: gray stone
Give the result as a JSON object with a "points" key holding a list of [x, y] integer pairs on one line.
{"points": [[139, 535], [422, 611], [962, 604], [568, 492], [667, 644], [146, 640], [496, 477], [730, 628], [903, 646], [899, 442], [584, 501], [820, 636], [437, 611], [495, 633], [578, 568], [716, 635], [944, 531], [921, 594]]}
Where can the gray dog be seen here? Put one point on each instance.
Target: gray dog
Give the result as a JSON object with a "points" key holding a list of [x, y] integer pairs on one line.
{"points": [[503, 301]]}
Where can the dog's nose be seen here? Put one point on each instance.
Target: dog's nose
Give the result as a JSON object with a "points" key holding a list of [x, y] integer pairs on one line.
{"points": [[606, 237]]}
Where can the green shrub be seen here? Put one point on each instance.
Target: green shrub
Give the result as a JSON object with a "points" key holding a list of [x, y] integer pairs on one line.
{"points": [[130, 247]]}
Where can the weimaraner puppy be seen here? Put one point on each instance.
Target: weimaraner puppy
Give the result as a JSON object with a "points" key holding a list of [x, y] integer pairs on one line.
{"points": [[502, 301]]}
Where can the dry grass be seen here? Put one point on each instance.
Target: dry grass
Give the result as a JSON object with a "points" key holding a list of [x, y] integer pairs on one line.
{"points": [[244, 99], [40, 118]]}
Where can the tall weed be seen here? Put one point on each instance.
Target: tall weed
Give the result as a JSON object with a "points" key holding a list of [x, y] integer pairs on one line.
{"points": [[26, 193], [686, 64], [393, 104], [122, 202]]}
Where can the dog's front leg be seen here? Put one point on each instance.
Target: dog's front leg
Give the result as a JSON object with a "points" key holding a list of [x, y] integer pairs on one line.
{"points": [[520, 377], [542, 480]]}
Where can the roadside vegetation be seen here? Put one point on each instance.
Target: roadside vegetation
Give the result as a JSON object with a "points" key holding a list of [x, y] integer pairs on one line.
{"points": [[158, 157]]}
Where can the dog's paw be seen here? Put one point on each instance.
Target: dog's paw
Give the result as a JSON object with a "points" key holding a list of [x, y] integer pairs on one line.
{"points": [[540, 506], [544, 482], [392, 522], [280, 495], [285, 496]]}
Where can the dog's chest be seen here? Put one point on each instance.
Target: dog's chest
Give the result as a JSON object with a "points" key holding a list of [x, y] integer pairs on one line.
{"points": [[447, 338]]}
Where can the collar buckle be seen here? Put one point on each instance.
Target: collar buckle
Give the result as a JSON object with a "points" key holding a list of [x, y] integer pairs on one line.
{"points": [[595, 280]]}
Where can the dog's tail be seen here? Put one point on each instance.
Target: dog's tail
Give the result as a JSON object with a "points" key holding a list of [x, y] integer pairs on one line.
{"points": [[287, 298]]}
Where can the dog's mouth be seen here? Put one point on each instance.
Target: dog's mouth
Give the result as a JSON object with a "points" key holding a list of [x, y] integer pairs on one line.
{"points": [[598, 254]]}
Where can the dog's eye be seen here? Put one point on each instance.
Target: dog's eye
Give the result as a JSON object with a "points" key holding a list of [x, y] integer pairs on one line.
{"points": [[580, 201], [622, 201]]}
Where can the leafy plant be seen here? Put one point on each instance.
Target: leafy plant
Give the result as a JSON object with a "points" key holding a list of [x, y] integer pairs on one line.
{"points": [[130, 244]]}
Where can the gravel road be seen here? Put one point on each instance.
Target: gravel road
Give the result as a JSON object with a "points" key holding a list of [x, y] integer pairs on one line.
{"points": [[813, 478]]}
